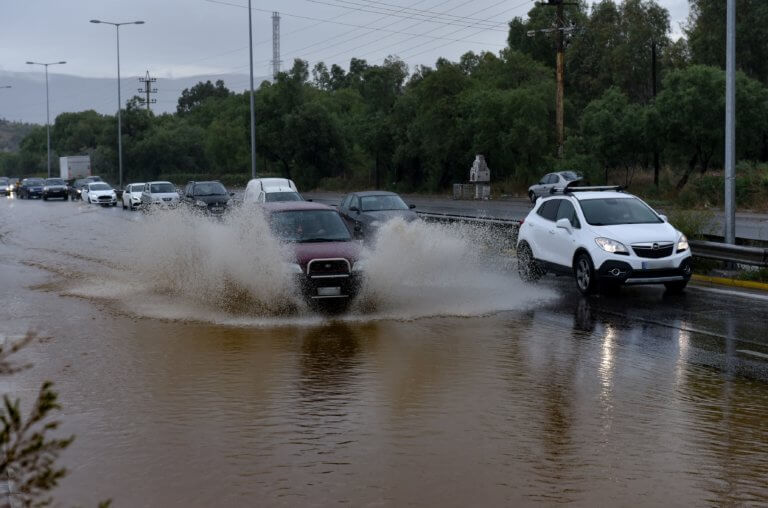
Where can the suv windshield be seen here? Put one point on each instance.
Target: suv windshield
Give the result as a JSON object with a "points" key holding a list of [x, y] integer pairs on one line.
{"points": [[34, 181], [99, 186], [612, 211], [55, 181], [157, 188], [137, 188], [304, 226], [271, 197], [383, 202], [209, 189]]}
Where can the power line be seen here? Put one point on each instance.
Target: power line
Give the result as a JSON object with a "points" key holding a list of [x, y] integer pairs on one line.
{"points": [[410, 15]]}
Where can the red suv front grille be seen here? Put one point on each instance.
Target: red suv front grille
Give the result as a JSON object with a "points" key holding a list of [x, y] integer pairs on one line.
{"points": [[328, 267]]}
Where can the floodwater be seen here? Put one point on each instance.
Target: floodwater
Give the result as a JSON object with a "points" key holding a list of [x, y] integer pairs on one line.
{"points": [[191, 377]]}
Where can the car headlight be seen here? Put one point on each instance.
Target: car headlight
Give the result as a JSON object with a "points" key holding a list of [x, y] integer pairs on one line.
{"points": [[682, 243], [201, 203], [230, 202], [360, 266], [612, 246], [294, 268], [45, 189]]}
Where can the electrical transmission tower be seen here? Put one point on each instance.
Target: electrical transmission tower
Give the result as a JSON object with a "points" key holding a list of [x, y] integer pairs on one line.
{"points": [[276, 44], [147, 90], [560, 30]]}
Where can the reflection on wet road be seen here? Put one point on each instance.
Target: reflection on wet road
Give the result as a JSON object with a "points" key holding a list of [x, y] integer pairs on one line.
{"points": [[635, 399]]}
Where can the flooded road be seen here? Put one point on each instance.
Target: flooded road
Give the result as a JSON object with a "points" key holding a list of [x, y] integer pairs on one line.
{"points": [[442, 395]]}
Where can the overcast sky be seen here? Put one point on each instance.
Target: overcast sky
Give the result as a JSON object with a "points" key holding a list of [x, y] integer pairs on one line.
{"points": [[192, 37]]}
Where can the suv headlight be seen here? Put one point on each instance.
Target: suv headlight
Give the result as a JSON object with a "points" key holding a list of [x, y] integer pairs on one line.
{"points": [[360, 266], [200, 203], [682, 243], [612, 246], [294, 268], [45, 189]]}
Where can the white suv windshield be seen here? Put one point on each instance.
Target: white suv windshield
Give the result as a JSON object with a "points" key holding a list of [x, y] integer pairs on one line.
{"points": [[612, 211]]}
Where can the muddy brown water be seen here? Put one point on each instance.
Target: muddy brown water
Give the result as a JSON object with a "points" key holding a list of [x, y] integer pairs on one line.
{"points": [[636, 401]]}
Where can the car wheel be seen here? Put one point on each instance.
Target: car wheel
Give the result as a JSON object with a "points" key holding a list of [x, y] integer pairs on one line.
{"points": [[45, 198], [66, 197], [114, 204], [527, 267], [532, 196], [677, 287], [584, 272]]}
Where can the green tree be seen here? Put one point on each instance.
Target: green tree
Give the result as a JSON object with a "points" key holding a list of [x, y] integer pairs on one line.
{"points": [[193, 97]]}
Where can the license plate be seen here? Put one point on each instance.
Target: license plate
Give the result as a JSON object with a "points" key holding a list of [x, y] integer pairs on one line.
{"points": [[661, 263], [335, 291]]}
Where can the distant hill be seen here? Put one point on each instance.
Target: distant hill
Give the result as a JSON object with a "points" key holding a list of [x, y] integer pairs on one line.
{"points": [[25, 101], [11, 134]]}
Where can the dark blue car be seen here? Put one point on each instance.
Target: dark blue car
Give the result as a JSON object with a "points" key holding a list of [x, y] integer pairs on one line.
{"points": [[31, 188]]}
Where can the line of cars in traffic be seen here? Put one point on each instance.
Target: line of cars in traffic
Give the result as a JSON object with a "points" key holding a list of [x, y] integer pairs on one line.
{"points": [[601, 236]]}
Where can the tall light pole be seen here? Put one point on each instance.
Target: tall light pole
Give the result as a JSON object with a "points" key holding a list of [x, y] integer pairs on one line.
{"points": [[730, 124], [253, 114], [47, 108], [119, 100]]}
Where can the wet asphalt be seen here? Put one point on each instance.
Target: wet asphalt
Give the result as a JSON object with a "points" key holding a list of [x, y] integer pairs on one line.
{"points": [[637, 398]]}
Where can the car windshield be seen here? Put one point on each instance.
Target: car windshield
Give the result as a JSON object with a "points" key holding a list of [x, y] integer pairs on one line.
{"points": [[210, 189], [612, 211], [3, 181], [99, 186], [158, 188], [137, 188], [304, 226], [570, 176], [94, 179], [34, 181], [271, 197], [382, 202], [55, 181]]}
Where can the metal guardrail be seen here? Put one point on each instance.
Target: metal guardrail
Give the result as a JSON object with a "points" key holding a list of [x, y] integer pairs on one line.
{"points": [[740, 254]]}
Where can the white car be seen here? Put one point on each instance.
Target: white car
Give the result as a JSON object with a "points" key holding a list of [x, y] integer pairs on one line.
{"points": [[603, 237], [132, 195], [99, 193], [268, 190], [162, 194]]}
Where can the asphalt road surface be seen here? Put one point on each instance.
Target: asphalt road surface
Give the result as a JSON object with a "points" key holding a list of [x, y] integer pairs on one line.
{"points": [[454, 385], [750, 226]]}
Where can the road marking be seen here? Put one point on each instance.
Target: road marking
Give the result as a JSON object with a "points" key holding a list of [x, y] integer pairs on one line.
{"points": [[753, 353], [742, 294]]}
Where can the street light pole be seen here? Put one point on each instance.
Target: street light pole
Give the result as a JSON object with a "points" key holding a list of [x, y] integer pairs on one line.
{"points": [[119, 100], [253, 114], [47, 109], [730, 124]]}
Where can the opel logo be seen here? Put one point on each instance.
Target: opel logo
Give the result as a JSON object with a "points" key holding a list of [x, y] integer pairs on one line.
{"points": [[655, 246]]}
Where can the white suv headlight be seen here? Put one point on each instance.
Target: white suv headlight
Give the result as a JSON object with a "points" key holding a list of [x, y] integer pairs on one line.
{"points": [[293, 268], [612, 246], [682, 243], [360, 266]]}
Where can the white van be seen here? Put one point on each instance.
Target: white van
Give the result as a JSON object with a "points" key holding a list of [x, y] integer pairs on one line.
{"points": [[267, 190]]}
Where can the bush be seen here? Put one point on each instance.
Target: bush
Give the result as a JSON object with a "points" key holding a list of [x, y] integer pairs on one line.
{"points": [[693, 223]]}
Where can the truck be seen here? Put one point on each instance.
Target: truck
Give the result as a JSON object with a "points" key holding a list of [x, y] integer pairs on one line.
{"points": [[75, 166]]}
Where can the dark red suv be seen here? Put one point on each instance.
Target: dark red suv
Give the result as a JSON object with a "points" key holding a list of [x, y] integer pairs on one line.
{"points": [[326, 259]]}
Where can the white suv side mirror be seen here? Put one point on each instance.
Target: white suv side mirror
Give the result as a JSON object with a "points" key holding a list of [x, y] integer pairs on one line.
{"points": [[564, 224]]}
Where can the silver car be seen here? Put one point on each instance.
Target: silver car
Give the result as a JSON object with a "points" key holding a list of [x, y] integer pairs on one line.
{"points": [[556, 181]]}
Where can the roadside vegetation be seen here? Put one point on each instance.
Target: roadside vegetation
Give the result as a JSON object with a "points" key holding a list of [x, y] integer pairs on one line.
{"points": [[418, 129]]}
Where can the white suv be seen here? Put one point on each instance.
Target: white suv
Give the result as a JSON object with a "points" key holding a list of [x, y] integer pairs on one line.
{"points": [[603, 237]]}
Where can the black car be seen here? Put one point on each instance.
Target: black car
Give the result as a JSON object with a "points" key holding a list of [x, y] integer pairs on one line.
{"points": [[211, 197], [366, 211], [31, 188], [76, 188], [55, 188]]}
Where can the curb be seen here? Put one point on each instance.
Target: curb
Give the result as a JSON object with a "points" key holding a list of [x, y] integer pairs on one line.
{"points": [[748, 284]]}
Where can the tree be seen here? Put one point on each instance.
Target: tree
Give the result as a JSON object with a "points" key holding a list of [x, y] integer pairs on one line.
{"points": [[193, 97], [706, 35]]}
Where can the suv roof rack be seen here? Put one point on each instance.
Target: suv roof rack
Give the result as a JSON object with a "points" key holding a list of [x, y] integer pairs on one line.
{"points": [[590, 188]]}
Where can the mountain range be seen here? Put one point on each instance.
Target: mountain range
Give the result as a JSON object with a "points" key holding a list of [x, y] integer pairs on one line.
{"points": [[25, 100]]}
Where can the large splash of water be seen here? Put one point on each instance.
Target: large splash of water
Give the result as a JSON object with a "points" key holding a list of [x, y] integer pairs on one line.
{"points": [[183, 266]]}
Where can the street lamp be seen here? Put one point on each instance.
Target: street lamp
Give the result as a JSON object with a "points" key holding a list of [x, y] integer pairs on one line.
{"points": [[119, 101], [253, 114], [47, 108]]}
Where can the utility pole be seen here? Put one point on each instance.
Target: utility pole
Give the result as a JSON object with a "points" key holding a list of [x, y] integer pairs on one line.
{"points": [[253, 114], [730, 124], [276, 45], [147, 90], [656, 163], [560, 30]]}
